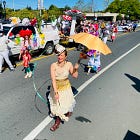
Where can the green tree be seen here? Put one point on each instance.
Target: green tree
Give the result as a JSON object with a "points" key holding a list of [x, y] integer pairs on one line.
{"points": [[128, 7], [54, 12], [29, 7], [114, 7], [1, 11], [119, 17], [66, 8], [45, 15]]}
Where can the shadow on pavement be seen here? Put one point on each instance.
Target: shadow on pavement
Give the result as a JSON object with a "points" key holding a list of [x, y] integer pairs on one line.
{"points": [[135, 80], [82, 119], [85, 67], [131, 136], [74, 90]]}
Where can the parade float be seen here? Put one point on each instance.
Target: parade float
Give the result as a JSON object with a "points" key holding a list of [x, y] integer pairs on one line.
{"points": [[71, 16], [45, 39], [75, 14]]}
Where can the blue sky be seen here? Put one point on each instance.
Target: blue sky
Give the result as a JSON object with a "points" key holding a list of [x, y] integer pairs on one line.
{"points": [[19, 4]]}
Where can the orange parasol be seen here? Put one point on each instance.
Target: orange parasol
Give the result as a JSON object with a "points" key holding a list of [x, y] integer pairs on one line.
{"points": [[91, 42]]}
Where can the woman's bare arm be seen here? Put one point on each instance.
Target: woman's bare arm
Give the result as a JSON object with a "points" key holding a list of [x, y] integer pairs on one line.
{"points": [[74, 70], [52, 71]]}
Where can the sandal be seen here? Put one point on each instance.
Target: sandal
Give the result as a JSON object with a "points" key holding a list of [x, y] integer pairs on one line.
{"points": [[68, 114], [54, 127]]}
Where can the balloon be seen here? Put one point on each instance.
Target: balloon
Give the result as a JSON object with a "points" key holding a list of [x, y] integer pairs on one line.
{"points": [[42, 36], [24, 33], [26, 21], [17, 40], [34, 38]]}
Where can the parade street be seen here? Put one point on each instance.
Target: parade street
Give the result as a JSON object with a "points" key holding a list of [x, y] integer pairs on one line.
{"points": [[108, 102]]}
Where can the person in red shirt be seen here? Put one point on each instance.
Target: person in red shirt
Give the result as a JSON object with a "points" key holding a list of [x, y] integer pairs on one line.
{"points": [[114, 31]]}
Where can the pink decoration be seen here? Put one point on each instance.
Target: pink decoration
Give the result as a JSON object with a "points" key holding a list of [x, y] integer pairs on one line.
{"points": [[73, 12], [33, 22], [66, 17]]}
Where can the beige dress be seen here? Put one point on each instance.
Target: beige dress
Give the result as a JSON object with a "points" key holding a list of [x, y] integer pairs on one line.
{"points": [[66, 100]]}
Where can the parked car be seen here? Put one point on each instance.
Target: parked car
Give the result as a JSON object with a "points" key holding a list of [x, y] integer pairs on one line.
{"points": [[125, 28], [46, 40]]}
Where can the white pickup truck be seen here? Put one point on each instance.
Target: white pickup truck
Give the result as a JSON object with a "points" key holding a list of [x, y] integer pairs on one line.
{"points": [[47, 40]]}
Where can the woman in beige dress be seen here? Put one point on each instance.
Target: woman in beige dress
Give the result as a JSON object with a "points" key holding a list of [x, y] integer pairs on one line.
{"points": [[61, 96]]}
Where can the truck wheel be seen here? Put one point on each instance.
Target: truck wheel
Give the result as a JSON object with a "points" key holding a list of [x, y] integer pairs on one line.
{"points": [[49, 48]]}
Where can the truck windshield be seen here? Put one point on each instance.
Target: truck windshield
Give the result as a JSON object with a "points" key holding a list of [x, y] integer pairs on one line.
{"points": [[6, 29]]}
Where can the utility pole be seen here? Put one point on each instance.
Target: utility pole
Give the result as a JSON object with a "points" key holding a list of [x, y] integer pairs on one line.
{"points": [[92, 6], [39, 6], [13, 5], [42, 4]]}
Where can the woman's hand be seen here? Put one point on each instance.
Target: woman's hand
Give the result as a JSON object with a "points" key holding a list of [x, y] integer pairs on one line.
{"points": [[56, 96], [75, 70], [76, 66]]}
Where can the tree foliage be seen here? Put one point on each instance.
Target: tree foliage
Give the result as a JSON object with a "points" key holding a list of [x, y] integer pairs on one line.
{"points": [[1, 10], [28, 12], [54, 12], [131, 8], [67, 8]]}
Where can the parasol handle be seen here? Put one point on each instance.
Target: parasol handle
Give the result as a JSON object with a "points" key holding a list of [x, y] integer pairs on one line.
{"points": [[79, 60]]}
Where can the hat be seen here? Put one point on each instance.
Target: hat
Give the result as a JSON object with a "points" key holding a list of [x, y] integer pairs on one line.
{"points": [[59, 49]]}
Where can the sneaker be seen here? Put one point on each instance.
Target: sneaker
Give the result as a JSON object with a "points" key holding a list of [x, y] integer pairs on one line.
{"points": [[30, 74], [12, 69], [26, 76], [99, 68]]}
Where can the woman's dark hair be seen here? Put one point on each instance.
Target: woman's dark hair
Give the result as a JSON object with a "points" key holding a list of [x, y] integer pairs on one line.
{"points": [[66, 53]]}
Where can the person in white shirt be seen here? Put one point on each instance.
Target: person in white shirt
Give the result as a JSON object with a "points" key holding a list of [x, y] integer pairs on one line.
{"points": [[4, 53], [105, 35]]}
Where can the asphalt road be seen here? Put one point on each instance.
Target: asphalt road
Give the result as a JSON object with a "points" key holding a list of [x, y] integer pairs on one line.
{"points": [[107, 108]]}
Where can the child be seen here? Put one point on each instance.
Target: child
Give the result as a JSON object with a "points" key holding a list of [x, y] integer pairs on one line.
{"points": [[94, 62], [114, 31], [26, 57], [26, 41], [105, 35]]}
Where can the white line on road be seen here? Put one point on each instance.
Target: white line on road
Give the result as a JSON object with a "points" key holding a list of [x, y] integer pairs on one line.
{"points": [[47, 120]]}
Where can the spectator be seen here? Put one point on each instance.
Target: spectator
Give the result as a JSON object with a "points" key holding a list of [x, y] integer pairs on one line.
{"points": [[134, 26], [105, 35], [4, 52], [113, 34]]}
